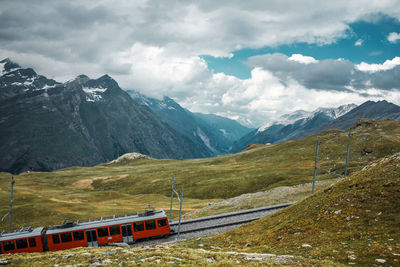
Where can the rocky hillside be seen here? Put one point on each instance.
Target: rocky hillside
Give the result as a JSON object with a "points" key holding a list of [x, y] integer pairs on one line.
{"points": [[45, 125]]}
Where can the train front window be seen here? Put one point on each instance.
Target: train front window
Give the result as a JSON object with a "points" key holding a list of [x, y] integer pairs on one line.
{"points": [[101, 232], [32, 242], [56, 239], [139, 226], [21, 243], [8, 245], [115, 230], [66, 237], [150, 225], [78, 235], [162, 222]]}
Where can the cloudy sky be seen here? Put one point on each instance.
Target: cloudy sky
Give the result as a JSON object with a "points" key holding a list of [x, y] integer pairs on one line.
{"points": [[247, 60]]}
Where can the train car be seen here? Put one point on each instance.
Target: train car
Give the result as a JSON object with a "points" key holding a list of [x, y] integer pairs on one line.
{"points": [[110, 230], [24, 240]]}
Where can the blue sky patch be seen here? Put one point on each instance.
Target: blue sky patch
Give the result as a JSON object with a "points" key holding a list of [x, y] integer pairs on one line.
{"points": [[365, 41]]}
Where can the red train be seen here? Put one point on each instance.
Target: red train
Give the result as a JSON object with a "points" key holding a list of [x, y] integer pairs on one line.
{"points": [[86, 234]]}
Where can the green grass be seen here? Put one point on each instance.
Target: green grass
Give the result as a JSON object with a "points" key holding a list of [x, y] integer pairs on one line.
{"points": [[132, 185], [355, 221]]}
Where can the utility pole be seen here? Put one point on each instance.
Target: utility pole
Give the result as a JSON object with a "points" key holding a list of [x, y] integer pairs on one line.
{"points": [[347, 155], [11, 202], [315, 167], [180, 214], [172, 197]]}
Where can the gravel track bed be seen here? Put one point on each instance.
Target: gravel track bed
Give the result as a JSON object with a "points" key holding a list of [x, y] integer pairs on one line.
{"points": [[223, 220], [216, 222]]}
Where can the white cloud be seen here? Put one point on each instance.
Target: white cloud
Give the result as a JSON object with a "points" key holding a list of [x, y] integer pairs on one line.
{"points": [[359, 42], [393, 37], [155, 47], [387, 65], [302, 59]]}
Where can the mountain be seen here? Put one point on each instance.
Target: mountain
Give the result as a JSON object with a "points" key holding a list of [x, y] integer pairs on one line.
{"points": [[380, 110], [225, 130], [212, 134], [290, 125], [46, 125]]}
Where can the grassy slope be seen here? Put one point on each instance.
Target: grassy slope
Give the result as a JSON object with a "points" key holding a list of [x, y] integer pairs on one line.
{"points": [[129, 186], [277, 195], [356, 220]]}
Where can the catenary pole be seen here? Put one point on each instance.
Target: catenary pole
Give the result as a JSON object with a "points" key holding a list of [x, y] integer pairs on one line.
{"points": [[172, 197], [315, 167], [347, 155], [11, 202], [180, 214]]}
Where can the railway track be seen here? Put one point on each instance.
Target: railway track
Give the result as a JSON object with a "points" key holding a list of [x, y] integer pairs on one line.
{"points": [[214, 224]]}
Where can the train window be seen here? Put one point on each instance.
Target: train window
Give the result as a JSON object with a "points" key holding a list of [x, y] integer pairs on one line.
{"points": [[8, 245], [150, 225], [102, 232], [78, 235], [139, 226], [66, 237], [21, 243], [115, 230], [162, 222], [56, 239], [32, 242]]}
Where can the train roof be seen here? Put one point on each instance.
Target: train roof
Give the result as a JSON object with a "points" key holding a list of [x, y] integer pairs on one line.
{"points": [[22, 233], [69, 227]]}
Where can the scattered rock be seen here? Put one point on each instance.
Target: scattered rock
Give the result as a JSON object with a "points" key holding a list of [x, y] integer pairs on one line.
{"points": [[108, 253], [68, 256], [338, 211], [352, 257], [279, 238], [306, 246], [95, 264], [201, 245], [106, 261], [175, 258], [247, 245], [368, 150], [4, 262], [380, 260], [212, 247], [211, 260], [86, 254]]}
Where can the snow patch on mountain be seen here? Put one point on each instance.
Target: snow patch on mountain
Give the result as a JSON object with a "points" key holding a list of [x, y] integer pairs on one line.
{"points": [[205, 139], [265, 127], [2, 68], [93, 94], [291, 118]]}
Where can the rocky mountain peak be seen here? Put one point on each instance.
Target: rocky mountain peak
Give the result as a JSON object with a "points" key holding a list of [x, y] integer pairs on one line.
{"points": [[6, 65]]}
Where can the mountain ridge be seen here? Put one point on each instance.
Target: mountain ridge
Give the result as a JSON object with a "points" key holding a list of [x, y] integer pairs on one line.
{"points": [[46, 125]]}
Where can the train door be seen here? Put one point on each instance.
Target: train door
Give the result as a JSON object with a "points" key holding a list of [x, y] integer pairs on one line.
{"points": [[127, 233], [91, 238]]}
